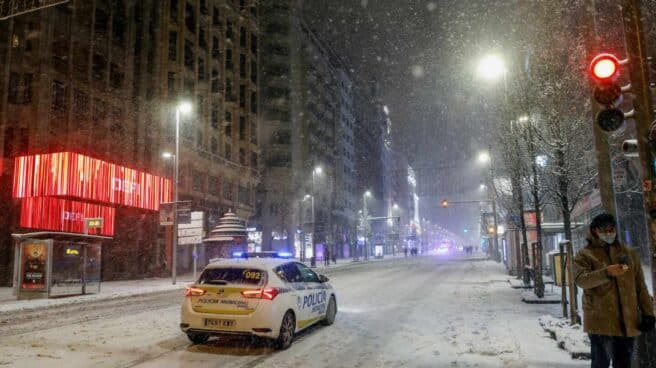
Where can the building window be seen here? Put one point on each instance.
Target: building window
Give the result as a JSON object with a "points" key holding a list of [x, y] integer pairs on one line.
{"points": [[229, 33], [242, 156], [215, 118], [201, 69], [20, 88], [190, 18], [242, 95], [227, 190], [189, 54], [202, 39], [119, 23], [216, 51], [189, 87], [253, 133], [254, 102], [115, 76], [173, 45], [228, 89], [173, 10], [199, 138], [214, 146], [244, 195], [254, 160], [99, 112], [203, 7], [98, 67], [197, 181], [242, 128], [215, 81], [102, 21], [228, 151], [254, 44], [171, 83], [58, 95], [216, 17], [253, 71], [228, 62], [242, 37], [242, 65], [80, 103], [213, 186]]}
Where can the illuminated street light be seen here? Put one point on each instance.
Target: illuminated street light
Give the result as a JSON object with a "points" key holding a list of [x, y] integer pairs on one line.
{"points": [[182, 108], [491, 67], [484, 157], [541, 160], [167, 155], [523, 119]]}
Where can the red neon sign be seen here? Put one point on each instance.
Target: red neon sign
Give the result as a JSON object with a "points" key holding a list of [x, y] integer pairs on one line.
{"points": [[74, 175], [64, 215]]}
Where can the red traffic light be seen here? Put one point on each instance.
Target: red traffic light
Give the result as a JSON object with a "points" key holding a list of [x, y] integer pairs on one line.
{"points": [[604, 67]]}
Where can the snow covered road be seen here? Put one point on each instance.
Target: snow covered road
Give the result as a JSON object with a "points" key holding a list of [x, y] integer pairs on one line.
{"points": [[422, 312]]}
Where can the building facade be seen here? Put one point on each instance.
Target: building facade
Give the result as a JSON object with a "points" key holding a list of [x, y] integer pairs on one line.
{"points": [[102, 78], [308, 180]]}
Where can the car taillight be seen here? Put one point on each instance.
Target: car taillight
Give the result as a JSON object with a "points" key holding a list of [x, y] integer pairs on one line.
{"points": [[192, 291], [268, 293]]}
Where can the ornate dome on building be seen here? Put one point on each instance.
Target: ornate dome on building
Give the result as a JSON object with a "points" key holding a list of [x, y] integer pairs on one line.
{"points": [[230, 228]]}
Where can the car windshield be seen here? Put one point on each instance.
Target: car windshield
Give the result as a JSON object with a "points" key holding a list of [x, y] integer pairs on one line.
{"points": [[223, 276], [443, 162]]}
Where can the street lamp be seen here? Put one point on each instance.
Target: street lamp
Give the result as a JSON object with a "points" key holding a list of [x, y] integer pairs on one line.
{"points": [[491, 67], [182, 108], [313, 261], [365, 221], [486, 158]]}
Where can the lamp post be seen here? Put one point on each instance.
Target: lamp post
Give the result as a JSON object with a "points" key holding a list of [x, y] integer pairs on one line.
{"points": [[486, 158], [313, 261], [302, 250], [181, 108], [365, 222]]}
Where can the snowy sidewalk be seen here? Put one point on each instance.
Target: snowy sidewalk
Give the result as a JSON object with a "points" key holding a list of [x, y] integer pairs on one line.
{"points": [[129, 288]]}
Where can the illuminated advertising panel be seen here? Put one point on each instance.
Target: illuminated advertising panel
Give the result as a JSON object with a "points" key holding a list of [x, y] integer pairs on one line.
{"points": [[56, 214], [74, 175]]}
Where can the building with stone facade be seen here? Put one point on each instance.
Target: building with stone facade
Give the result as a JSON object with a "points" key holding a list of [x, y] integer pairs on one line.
{"points": [[102, 78]]}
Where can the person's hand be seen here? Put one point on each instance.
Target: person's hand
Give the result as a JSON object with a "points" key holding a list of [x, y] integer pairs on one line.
{"points": [[615, 270], [647, 323]]}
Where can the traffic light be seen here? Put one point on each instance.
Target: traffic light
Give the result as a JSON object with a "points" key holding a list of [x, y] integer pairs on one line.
{"points": [[445, 203], [604, 69]]}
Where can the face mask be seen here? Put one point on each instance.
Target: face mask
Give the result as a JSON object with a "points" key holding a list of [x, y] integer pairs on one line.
{"points": [[608, 238]]}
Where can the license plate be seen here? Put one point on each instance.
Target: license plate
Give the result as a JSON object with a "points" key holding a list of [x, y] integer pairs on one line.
{"points": [[214, 322]]}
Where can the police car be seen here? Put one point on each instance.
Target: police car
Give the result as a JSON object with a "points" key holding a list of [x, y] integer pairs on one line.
{"points": [[266, 297]]}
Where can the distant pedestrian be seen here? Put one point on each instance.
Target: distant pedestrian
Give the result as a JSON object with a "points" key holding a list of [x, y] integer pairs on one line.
{"points": [[326, 257], [334, 254], [405, 252], [617, 306]]}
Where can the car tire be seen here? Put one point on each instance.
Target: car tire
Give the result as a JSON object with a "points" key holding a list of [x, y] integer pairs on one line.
{"points": [[331, 311], [287, 329], [198, 338]]}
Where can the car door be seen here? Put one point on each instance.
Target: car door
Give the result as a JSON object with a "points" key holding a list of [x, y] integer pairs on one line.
{"points": [[315, 296], [294, 280]]}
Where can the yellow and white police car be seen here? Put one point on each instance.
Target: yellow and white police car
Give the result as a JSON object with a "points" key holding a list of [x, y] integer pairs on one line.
{"points": [[266, 297]]}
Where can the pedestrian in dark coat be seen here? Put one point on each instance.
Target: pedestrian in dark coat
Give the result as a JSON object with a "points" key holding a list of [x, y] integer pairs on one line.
{"points": [[617, 306]]}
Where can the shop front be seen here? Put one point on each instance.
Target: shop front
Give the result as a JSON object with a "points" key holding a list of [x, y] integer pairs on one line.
{"points": [[58, 195]]}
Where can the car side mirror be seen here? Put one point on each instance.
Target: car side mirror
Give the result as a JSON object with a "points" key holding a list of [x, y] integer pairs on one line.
{"points": [[323, 279]]}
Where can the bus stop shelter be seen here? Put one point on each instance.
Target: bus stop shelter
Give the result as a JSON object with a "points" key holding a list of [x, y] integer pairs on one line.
{"points": [[52, 264]]}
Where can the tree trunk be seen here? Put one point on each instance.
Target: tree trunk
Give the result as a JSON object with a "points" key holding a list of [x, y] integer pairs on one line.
{"points": [[539, 285]]}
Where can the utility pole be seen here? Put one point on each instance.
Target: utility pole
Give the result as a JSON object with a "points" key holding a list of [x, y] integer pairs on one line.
{"points": [[642, 106]]}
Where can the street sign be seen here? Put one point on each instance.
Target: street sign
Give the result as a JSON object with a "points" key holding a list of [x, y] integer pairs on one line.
{"points": [[184, 212], [191, 225], [190, 240], [166, 213], [190, 232], [93, 223]]}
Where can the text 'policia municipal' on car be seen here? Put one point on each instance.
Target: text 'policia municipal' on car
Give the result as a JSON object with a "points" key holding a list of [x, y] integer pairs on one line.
{"points": [[266, 297]]}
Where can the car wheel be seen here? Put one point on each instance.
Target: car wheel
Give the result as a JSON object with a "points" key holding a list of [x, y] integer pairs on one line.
{"points": [[331, 311], [198, 338], [287, 328]]}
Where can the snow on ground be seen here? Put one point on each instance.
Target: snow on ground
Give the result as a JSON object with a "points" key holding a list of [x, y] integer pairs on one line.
{"points": [[420, 312]]}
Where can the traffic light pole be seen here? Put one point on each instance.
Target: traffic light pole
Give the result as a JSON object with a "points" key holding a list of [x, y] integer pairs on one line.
{"points": [[635, 45]]}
